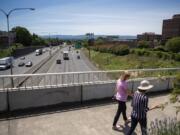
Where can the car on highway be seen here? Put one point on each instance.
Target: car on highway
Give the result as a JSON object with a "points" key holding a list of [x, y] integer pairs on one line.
{"points": [[58, 61], [22, 58], [38, 52], [78, 57], [29, 64], [65, 55], [6, 63], [21, 64]]}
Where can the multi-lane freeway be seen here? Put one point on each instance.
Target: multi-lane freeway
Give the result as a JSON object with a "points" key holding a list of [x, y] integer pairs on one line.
{"points": [[29, 57], [49, 65]]}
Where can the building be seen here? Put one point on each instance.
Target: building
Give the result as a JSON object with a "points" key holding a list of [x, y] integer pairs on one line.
{"points": [[171, 27], [149, 36], [4, 38], [153, 38]]}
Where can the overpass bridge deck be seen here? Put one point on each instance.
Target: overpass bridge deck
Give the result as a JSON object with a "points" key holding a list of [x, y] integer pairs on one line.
{"points": [[96, 120]]}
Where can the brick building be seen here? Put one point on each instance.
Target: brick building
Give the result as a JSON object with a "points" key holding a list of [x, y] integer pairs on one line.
{"points": [[149, 36], [171, 27], [153, 38]]}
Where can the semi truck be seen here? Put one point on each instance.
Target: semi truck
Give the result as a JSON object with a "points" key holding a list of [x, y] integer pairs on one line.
{"points": [[65, 55], [38, 52]]}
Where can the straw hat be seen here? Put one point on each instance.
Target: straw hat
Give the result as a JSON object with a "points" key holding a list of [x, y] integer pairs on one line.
{"points": [[145, 85]]}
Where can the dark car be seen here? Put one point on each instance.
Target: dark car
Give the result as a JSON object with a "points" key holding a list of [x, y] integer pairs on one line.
{"points": [[29, 64], [21, 64], [58, 61], [78, 57]]}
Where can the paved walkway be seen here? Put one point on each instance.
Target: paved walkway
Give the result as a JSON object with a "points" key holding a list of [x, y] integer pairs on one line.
{"points": [[96, 120]]}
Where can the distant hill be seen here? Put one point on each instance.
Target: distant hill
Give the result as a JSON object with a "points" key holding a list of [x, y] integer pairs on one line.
{"points": [[80, 37]]}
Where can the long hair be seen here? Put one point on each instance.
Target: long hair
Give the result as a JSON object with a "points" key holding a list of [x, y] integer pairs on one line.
{"points": [[125, 75]]}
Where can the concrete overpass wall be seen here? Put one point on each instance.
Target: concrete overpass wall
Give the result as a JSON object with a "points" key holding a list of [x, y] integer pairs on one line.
{"points": [[43, 97], [51, 96], [3, 101]]}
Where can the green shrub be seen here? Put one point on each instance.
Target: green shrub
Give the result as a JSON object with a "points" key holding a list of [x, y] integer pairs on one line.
{"points": [[177, 83], [159, 54], [177, 57], [147, 53], [121, 50], [159, 48], [143, 44], [166, 55], [173, 45]]}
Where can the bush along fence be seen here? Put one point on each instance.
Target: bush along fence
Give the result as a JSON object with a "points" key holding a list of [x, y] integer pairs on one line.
{"points": [[114, 49], [158, 54]]}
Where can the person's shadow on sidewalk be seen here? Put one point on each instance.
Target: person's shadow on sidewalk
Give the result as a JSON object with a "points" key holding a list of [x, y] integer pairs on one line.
{"points": [[124, 129]]}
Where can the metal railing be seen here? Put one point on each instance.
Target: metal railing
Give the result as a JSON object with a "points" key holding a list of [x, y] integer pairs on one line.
{"points": [[43, 80]]}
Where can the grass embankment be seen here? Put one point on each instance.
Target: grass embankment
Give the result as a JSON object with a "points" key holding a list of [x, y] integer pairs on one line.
{"points": [[108, 61], [8, 52]]}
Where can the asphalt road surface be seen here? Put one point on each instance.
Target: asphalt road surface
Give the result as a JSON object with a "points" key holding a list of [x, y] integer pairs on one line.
{"points": [[72, 65], [23, 70], [29, 57]]}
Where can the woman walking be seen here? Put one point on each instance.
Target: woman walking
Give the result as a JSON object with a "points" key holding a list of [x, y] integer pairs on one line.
{"points": [[121, 97]]}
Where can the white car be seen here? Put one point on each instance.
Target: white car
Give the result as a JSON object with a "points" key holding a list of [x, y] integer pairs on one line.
{"points": [[29, 64]]}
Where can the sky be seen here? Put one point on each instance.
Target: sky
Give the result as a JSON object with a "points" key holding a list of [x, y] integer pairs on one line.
{"points": [[101, 17]]}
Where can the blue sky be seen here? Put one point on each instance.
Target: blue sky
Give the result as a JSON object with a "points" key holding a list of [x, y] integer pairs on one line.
{"points": [[73, 17]]}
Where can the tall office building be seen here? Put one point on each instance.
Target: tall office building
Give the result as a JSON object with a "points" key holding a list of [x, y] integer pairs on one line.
{"points": [[171, 27]]}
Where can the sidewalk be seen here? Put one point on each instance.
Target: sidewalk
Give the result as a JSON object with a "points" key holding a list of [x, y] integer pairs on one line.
{"points": [[95, 120]]}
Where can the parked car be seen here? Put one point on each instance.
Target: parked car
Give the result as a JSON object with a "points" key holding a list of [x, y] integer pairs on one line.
{"points": [[29, 64], [21, 64], [58, 61], [22, 58]]}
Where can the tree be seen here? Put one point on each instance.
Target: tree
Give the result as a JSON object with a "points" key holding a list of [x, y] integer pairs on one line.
{"points": [[36, 40], [143, 44], [173, 45], [100, 41], [23, 36]]}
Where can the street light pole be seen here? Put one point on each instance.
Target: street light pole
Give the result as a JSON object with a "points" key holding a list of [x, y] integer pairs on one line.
{"points": [[7, 17]]}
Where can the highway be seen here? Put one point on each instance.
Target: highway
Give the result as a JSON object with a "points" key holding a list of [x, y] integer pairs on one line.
{"points": [[36, 60], [50, 66], [71, 65], [29, 57]]}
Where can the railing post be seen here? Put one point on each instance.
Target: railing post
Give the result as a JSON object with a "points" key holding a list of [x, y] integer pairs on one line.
{"points": [[44, 80], [56, 80], [81, 94], [3, 83], [31, 82]]}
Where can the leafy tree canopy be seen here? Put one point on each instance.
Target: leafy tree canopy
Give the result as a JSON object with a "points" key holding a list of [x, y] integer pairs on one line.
{"points": [[23, 36]]}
